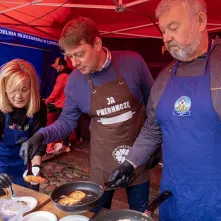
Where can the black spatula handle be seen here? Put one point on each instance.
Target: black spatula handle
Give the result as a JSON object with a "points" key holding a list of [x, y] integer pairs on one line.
{"points": [[160, 199]]}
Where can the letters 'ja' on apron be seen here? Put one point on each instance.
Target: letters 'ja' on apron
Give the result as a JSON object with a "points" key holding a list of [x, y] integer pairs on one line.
{"points": [[191, 149], [116, 120]]}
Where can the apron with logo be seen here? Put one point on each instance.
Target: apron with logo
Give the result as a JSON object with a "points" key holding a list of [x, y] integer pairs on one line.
{"points": [[191, 149], [116, 120], [10, 161]]}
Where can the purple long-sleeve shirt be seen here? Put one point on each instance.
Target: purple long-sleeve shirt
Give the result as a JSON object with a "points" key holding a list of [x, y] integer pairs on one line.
{"points": [[78, 93]]}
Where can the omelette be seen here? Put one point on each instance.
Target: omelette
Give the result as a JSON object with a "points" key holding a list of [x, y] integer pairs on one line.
{"points": [[34, 179], [73, 198]]}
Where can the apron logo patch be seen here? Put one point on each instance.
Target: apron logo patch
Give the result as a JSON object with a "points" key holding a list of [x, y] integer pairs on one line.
{"points": [[182, 106], [120, 153]]}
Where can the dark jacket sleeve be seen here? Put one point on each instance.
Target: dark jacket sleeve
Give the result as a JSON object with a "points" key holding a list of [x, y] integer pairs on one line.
{"points": [[40, 120], [150, 137], [146, 81]]}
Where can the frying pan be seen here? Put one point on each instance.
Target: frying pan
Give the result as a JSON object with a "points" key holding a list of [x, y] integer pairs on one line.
{"points": [[115, 215], [93, 194]]}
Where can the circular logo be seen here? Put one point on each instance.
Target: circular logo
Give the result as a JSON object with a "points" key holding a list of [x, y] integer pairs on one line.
{"points": [[182, 106], [120, 153]]}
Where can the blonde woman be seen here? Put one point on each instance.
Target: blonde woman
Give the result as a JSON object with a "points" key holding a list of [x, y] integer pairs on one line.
{"points": [[22, 113]]}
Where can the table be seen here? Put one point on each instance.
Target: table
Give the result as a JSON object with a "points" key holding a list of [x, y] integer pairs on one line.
{"points": [[44, 201], [20, 191], [60, 214]]}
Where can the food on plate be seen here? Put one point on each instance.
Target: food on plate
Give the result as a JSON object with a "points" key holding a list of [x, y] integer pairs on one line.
{"points": [[124, 220], [72, 199], [34, 179], [24, 203]]}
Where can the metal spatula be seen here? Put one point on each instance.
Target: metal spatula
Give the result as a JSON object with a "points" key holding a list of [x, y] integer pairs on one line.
{"points": [[13, 196], [29, 172]]}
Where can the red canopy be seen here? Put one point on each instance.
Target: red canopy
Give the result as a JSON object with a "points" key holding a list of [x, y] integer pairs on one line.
{"points": [[114, 18]]}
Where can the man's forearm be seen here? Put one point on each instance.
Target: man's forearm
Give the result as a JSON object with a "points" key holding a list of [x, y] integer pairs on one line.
{"points": [[56, 131], [135, 166], [63, 126], [149, 139], [145, 145]]}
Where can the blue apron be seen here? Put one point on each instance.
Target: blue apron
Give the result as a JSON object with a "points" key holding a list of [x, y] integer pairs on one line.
{"points": [[10, 161], [191, 131]]}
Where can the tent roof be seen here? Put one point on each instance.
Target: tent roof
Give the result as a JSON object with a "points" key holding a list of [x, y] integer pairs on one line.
{"points": [[115, 18]]}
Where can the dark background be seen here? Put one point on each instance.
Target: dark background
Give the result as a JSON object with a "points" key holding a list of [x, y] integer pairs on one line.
{"points": [[149, 48]]}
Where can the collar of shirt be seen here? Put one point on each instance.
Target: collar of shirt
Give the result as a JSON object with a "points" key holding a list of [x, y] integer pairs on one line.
{"points": [[108, 59]]}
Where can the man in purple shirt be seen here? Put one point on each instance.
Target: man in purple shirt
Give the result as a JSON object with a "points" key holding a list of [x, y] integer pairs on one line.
{"points": [[113, 88]]}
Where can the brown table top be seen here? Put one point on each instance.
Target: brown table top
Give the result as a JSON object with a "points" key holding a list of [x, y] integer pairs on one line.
{"points": [[60, 214], [44, 201], [23, 191]]}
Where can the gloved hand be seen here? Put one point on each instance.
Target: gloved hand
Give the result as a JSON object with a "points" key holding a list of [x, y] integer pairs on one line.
{"points": [[155, 158], [5, 180], [120, 176], [30, 147]]}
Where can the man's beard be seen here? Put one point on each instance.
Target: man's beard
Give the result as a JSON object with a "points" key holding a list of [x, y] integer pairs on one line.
{"points": [[185, 52]]}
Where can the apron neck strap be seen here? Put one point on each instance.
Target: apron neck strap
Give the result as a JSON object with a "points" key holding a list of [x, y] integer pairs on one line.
{"points": [[120, 79], [91, 84], [207, 60], [30, 122], [6, 119], [208, 56]]}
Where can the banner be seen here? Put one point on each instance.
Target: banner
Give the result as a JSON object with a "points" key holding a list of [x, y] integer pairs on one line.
{"points": [[11, 36]]}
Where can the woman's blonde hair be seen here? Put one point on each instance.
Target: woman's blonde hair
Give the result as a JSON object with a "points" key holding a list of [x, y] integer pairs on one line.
{"points": [[11, 75]]}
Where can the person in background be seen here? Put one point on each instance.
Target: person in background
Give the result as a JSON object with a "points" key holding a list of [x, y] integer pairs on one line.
{"points": [[184, 113], [57, 96], [22, 113], [113, 88]]}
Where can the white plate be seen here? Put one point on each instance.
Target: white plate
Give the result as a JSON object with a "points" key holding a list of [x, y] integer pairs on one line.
{"points": [[75, 218], [40, 216], [31, 202]]}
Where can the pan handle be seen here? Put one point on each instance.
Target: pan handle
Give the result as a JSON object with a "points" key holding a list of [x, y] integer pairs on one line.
{"points": [[160, 199]]}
